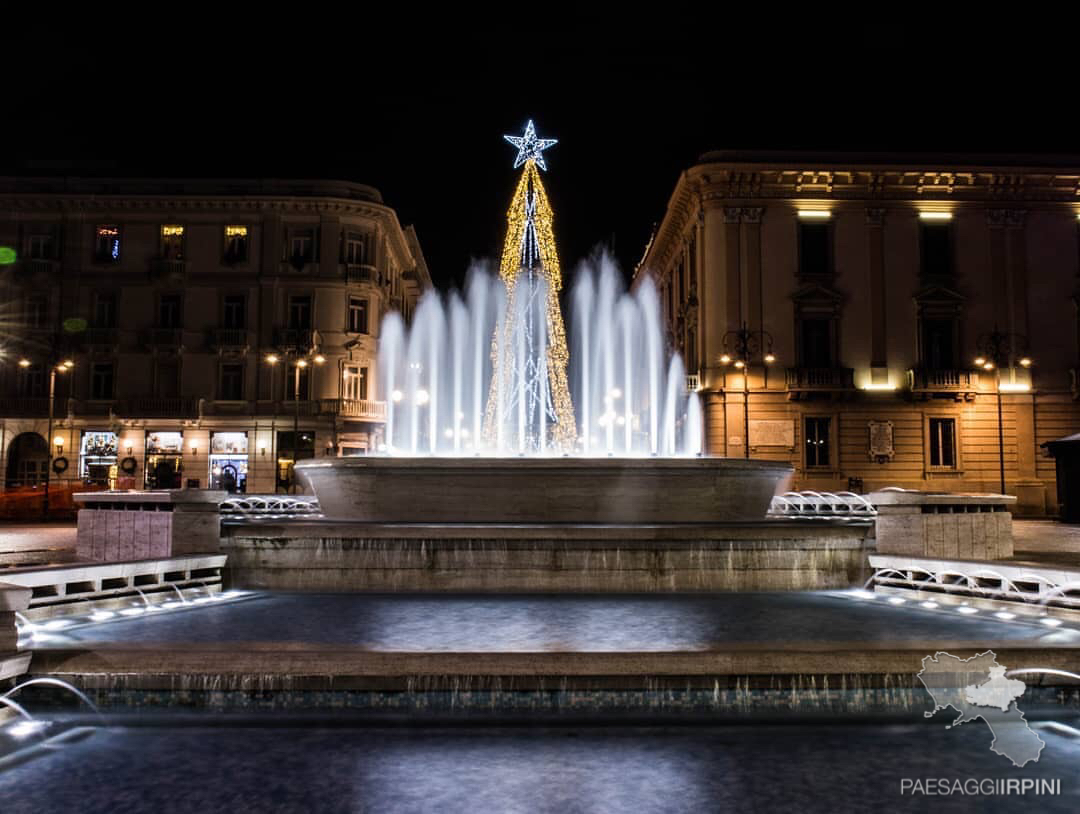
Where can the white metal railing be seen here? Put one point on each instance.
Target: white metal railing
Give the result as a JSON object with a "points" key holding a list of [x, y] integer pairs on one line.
{"points": [[271, 507], [809, 503], [1003, 582]]}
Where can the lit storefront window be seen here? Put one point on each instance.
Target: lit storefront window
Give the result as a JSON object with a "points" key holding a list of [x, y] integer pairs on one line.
{"points": [[164, 460], [229, 461], [97, 458]]}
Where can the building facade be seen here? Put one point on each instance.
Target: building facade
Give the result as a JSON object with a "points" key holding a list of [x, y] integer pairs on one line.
{"points": [[863, 317], [194, 333]]}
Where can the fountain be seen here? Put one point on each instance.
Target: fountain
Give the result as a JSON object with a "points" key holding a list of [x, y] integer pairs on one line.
{"points": [[518, 455], [465, 420]]}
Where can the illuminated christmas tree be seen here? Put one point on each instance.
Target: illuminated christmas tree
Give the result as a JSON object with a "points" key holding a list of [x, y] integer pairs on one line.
{"points": [[529, 406]]}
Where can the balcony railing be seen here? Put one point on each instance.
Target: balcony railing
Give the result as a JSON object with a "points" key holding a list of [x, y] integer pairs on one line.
{"points": [[360, 273], [35, 266], [819, 380], [160, 267], [26, 407], [159, 406], [693, 383], [229, 338], [355, 408], [101, 337], [944, 380], [162, 337], [294, 339]]}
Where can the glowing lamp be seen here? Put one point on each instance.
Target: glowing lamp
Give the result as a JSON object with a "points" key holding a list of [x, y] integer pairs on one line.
{"points": [[814, 214], [935, 216], [740, 364], [319, 358], [272, 358], [24, 363], [396, 396], [422, 397], [301, 363], [1025, 362], [769, 358], [980, 360], [725, 359]]}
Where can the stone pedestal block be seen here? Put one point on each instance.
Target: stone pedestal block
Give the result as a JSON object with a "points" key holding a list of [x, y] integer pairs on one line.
{"points": [[943, 525], [124, 526]]}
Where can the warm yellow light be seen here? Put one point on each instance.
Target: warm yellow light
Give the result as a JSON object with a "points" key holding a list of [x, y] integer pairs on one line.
{"points": [[925, 215], [725, 359], [1015, 387], [58, 441], [173, 230], [879, 386], [769, 358], [272, 358], [319, 359], [740, 364], [980, 360], [815, 214], [68, 363], [236, 231], [988, 366], [1025, 362], [301, 363], [24, 363]]}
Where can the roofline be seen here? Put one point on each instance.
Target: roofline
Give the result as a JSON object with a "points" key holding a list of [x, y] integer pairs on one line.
{"points": [[1019, 162]]}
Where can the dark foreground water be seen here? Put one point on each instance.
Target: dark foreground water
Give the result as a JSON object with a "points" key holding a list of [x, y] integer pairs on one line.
{"points": [[595, 623], [199, 768]]}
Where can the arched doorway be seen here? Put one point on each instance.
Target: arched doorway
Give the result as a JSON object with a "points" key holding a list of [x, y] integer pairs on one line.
{"points": [[28, 460]]}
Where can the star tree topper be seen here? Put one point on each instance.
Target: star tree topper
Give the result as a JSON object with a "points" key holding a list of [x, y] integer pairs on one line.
{"points": [[530, 147]]}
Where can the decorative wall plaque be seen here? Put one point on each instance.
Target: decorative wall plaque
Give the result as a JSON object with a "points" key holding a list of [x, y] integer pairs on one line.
{"points": [[880, 441], [772, 433]]}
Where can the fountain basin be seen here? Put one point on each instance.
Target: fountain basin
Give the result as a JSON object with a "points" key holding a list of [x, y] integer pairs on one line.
{"points": [[543, 490]]}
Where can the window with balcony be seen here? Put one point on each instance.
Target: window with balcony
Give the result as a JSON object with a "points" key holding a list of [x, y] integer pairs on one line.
{"points": [[40, 247], [815, 249], [234, 311], [942, 442], [231, 386], [816, 342], [358, 315], [101, 380], [37, 311], [355, 249], [236, 244], [30, 380], [938, 340], [301, 247], [817, 441], [104, 310], [167, 378], [172, 242], [936, 249], [170, 311], [107, 243], [355, 382], [300, 313]]}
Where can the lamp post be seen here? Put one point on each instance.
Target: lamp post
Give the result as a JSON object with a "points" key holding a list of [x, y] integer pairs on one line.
{"points": [[54, 367], [741, 349], [997, 349], [301, 362]]}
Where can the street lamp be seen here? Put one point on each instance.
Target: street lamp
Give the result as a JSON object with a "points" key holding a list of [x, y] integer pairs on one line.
{"points": [[62, 366], [996, 350], [742, 348], [301, 362]]}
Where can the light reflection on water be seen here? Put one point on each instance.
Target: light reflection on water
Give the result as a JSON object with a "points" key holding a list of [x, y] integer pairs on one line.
{"points": [[588, 623], [600, 769]]}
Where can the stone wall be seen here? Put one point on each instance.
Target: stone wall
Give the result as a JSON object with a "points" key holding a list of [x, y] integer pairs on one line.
{"points": [[766, 556]]}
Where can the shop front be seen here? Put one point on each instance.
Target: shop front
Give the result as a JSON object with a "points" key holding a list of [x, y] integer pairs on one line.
{"points": [[292, 448], [98, 463], [229, 461], [164, 460]]}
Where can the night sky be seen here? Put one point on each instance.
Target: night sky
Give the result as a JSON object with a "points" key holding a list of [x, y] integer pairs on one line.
{"points": [[417, 106]]}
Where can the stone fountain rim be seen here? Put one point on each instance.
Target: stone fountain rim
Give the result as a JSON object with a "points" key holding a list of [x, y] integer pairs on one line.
{"points": [[547, 463]]}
